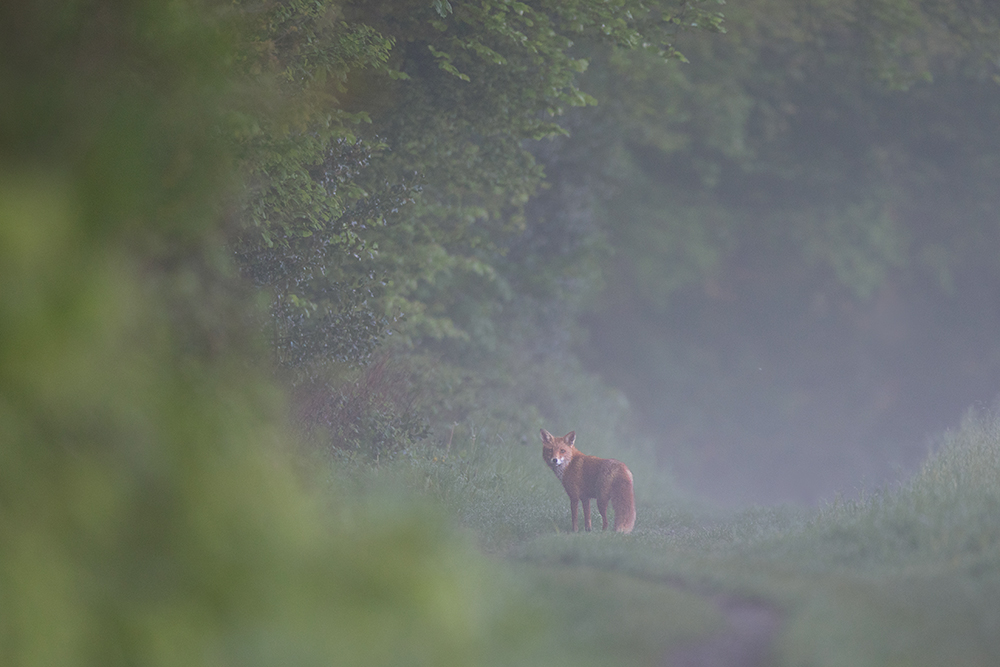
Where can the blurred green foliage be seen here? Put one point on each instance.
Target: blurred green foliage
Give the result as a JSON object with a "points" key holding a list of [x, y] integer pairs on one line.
{"points": [[149, 513]]}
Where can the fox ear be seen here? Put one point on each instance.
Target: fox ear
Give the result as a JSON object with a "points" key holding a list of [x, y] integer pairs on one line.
{"points": [[546, 437], [570, 438]]}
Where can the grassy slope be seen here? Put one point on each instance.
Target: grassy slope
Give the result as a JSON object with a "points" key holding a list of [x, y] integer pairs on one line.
{"points": [[910, 576]]}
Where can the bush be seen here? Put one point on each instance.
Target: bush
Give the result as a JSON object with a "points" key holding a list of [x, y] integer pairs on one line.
{"points": [[376, 414]]}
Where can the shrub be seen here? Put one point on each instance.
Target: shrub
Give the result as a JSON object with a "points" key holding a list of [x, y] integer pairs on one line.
{"points": [[376, 414]]}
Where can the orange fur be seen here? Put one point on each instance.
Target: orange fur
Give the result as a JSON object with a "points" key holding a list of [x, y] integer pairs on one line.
{"points": [[585, 477]]}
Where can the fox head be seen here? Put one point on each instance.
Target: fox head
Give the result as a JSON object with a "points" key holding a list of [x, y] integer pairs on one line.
{"points": [[557, 452]]}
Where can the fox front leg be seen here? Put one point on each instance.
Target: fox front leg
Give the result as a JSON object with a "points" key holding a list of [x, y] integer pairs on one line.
{"points": [[586, 514]]}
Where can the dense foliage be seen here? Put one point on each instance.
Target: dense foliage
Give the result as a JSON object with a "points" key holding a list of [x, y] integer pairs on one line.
{"points": [[396, 154], [387, 189]]}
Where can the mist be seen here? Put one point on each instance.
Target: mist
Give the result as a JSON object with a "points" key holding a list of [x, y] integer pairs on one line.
{"points": [[800, 290], [753, 401]]}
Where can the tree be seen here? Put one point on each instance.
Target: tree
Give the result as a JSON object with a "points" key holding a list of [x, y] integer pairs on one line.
{"points": [[304, 209], [403, 161]]}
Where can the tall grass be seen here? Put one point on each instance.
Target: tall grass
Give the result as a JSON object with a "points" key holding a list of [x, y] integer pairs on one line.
{"points": [[909, 575], [946, 513]]}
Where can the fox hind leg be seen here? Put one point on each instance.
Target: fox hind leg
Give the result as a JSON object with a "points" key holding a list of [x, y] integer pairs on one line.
{"points": [[602, 507]]}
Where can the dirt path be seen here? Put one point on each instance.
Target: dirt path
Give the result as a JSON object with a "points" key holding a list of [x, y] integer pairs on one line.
{"points": [[746, 641]]}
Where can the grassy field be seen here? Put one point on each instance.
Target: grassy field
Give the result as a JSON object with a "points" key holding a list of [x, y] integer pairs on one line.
{"points": [[906, 576]]}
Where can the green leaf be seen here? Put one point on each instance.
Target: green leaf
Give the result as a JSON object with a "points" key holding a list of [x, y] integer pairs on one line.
{"points": [[442, 7]]}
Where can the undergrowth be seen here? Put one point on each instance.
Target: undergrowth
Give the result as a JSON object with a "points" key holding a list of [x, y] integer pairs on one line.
{"points": [[909, 574]]}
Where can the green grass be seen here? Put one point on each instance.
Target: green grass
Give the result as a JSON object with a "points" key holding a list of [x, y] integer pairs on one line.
{"points": [[599, 616], [909, 575]]}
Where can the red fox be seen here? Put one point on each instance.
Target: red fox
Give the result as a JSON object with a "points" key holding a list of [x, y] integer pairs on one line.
{"points": [[585, 477]]}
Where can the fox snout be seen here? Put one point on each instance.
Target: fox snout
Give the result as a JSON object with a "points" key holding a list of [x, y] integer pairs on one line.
{"points": [[557, 461]]}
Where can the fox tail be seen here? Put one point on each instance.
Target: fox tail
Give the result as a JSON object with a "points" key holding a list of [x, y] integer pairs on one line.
{"points": [[623, 502]]}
